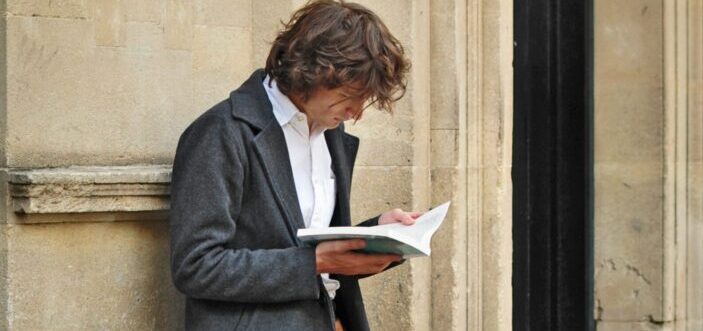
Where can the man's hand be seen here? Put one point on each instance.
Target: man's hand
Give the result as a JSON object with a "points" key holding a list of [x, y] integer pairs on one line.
{"points": [[339, 257], [399, 216]]}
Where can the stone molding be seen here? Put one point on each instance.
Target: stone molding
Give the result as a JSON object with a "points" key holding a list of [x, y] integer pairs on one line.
{"points": [[89, 189]]}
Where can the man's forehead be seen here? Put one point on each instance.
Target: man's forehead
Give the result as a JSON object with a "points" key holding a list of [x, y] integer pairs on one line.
{"points": [[356, 88]]}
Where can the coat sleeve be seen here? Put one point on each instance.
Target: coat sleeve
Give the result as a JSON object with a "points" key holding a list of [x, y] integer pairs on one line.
{"points": [[206, 194], [370, 222]]}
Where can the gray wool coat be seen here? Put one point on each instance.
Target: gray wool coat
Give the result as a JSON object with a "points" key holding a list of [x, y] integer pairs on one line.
{"points": [[233, 221]]}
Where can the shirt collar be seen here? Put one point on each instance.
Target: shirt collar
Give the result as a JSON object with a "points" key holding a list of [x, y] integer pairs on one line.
{"points": [[283, 108]]}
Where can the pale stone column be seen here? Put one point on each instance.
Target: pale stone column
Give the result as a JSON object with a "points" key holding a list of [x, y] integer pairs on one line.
{"points": [[647, 165], [450, 253], [690, 292], [490, 131], [629, 169], [471, 45]]}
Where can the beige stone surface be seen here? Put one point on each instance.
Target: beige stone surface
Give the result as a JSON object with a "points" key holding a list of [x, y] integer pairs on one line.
{"points": [[388, 140], [628, 88], [694, 261], [220, 62], [224, 13], [400, 16], [633, 326], [3, 85], [109, 23], [495, 164], [93, 175], [449, 252], [4, 298], [378, 189], [50, 8], [389, 294], [178, 24], [85, 217], [143, 11], [70, 89], [100, 276], [143, 37], [629, 155], [447, 28], [446, 150], [448, 136], [269, 15], [89, 189]]}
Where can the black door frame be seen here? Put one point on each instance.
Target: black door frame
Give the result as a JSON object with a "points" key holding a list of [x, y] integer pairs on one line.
{"points": [[552, 165]]}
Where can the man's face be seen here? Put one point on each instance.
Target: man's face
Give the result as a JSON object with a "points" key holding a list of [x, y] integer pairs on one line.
{"points": [[327, 108]]}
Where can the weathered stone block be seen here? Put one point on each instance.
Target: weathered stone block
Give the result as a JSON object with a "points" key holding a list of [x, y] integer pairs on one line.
{"points": [[397, 15], [108, 19], [143, 37], [378, 189], [143, 11], [446, 90], [223, 13], [630, 114], [629, 41], [449, 252], [444, 149], [90, 189], [268, 17], [220, 63], [109, 105], [387, 298], [98, 276], [632, 326], [178, 24], [386, 140], [50, 8], [628, 228]]}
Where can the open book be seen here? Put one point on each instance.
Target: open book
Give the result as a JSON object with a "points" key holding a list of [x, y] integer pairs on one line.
{"points": [[406, 240]]}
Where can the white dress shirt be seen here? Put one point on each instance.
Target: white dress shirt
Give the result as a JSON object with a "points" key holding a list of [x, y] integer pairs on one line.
{"points": [[311, 164]]}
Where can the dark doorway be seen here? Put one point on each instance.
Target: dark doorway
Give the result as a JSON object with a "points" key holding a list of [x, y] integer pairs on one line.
{"points": [[552, 166]]}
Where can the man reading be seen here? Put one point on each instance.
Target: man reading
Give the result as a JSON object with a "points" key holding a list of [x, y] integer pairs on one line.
{"points": [[274, 158]]}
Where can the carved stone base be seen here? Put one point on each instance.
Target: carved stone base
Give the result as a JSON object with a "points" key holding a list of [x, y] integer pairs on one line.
{"points": [[90, 189]]}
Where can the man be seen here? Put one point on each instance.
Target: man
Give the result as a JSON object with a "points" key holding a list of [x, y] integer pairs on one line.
{"points": [[274, 158]]}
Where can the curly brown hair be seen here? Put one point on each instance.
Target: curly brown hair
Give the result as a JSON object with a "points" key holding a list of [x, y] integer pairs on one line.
{"points": [[332, 44]]}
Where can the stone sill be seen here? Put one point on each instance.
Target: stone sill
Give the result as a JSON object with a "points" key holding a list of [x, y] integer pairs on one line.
{"points": [[90, 189]]}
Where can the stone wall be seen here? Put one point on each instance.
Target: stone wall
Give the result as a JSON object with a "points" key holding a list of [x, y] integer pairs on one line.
{"points": [[647, 165], [96, 93]]}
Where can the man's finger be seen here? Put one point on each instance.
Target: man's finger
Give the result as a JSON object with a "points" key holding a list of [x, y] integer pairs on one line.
{"points": [[406, 219], [348, 245], [416, 214], [382, 258]]}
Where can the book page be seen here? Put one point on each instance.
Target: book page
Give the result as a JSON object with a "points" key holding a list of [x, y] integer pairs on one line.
{"points": [[424, 226]]}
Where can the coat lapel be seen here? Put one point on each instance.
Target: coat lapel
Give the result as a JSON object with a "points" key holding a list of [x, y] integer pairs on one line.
{"points": [[250, 104], [342, 149], [270, 147]]}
